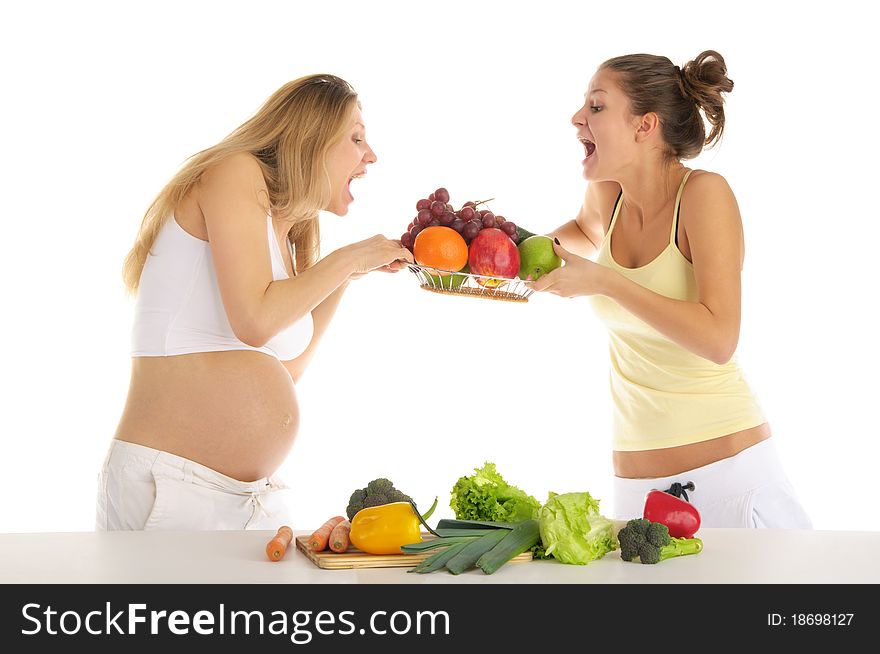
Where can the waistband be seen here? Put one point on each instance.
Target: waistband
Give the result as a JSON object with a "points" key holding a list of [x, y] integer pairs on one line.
{"points": [[755, 466], [186, 470]]}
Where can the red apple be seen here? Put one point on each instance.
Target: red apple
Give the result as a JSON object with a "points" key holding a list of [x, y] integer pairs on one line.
{"points": [[493, 253]]}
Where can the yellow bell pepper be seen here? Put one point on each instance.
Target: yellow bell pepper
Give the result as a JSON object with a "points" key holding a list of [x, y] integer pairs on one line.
{"points": [[385, 528]]}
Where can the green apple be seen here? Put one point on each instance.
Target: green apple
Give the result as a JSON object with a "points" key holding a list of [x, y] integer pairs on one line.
{"points": [[537, 257], [448, 282]]}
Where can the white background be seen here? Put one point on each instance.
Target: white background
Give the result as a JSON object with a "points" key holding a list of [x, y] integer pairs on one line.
{"points": [[101, 103]]}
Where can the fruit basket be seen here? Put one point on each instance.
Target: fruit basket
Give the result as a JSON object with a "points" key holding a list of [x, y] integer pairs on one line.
{"points": [[471, 285], [474, 252]]}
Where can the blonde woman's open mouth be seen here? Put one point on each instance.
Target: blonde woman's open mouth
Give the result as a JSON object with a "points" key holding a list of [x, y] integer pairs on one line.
{"points": [[359, 175]]}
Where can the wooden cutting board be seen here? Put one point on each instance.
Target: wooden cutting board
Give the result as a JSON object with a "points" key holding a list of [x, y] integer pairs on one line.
{"points": [[354, 558]]}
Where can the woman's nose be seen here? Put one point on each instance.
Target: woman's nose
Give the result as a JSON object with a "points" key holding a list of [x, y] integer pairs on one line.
{"points": [[369, 155], [579, 118]]}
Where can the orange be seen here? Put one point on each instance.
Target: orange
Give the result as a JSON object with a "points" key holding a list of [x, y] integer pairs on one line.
{"points": [[442, 248]]}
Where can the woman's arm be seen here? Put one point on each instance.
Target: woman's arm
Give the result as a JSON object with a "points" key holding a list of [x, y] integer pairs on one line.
{"points": [[708, 327], [584, 234], [321, 316], [232, 197]]}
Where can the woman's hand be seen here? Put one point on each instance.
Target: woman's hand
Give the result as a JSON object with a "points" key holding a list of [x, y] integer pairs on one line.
{"points": [[578, 276], [377, 253]]}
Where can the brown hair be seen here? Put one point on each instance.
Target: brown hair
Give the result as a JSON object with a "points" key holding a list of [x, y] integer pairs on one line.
{"points": [[677, 95], [290, 136]]}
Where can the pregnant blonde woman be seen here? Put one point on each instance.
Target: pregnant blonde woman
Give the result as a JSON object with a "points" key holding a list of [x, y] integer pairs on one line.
{"points": [[232, 300]]}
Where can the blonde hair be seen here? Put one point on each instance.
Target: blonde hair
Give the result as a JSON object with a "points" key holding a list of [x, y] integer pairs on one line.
{"points": [[290, 136]]}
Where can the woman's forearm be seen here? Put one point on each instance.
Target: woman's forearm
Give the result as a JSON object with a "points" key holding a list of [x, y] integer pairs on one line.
{"points": [[690, 324], [324, 312], [321, 317]]}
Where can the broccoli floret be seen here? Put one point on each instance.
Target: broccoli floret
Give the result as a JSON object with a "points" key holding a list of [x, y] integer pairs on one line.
{"points": [[378, 492], [398, 496], [375, 500], [657, 534], [651, 542], [630, 547], [632, 538], [639, 525], [380, 486], [356, 502], [358, 496], [649, 553]]}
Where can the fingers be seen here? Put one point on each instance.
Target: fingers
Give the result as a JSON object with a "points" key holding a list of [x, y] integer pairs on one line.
{"points": [[544, 282], [402, 253], [564, 254], [407, 255]]}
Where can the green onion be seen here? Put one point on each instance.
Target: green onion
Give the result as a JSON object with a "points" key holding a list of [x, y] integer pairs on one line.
{"points": [[519, 539], [438, 560], [472, 551]]}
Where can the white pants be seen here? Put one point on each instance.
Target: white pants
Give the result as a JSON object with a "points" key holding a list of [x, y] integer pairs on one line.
{"points": [[143, 488], [749, 489]]}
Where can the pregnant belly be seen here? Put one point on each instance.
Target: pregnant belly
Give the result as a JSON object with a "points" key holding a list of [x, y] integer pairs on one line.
{"points": [[235, 412]]}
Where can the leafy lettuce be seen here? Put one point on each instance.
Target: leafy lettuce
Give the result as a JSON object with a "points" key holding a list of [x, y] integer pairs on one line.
{"points": [[573, 530], [486, 496]]}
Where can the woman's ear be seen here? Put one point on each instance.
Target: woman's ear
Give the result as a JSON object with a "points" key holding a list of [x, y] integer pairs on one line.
{"points": [[646, 126]]}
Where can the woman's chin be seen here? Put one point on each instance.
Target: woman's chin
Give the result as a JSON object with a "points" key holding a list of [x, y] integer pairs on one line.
{"points": [[338, 208], [591, 174]]}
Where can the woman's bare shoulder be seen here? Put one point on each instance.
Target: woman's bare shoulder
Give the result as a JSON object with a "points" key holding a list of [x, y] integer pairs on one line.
{"points": [[599, 205], [239, 168], [705, 183], [237, 177]]}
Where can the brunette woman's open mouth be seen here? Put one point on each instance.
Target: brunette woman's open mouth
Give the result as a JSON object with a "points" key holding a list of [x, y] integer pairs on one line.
{"points": [[589, 148]]}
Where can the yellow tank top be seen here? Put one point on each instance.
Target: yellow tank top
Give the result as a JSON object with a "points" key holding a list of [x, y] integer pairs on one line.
{"points": [[663, 394]]}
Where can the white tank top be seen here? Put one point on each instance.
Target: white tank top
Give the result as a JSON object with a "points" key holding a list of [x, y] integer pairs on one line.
{"points": [[179, 309]]}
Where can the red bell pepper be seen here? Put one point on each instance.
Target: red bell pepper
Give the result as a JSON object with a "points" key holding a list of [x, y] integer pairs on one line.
{"points": [[680, 516]]}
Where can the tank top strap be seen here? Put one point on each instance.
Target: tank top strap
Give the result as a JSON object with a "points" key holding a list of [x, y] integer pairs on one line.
{"points": [[672, 235], [614, 214]]}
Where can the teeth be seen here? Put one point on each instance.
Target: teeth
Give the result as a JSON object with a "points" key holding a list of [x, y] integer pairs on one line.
{"points": [[589, 146]]}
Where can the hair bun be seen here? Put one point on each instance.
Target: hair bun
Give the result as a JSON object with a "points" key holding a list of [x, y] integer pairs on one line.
{"points": [[704, 79]]}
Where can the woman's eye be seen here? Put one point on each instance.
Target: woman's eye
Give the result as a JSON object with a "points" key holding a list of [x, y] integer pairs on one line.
{"points": [[595, 108], [357, 140]]}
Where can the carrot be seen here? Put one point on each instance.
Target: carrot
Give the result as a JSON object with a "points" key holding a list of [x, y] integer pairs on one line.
{"points": [[318, 541], [276, 547], [339, 537]]}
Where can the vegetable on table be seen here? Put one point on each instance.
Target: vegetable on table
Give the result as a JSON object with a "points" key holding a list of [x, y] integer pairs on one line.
{"points": [[573, 530], [464, 544], [521, 538], [485, 495], [651, 542], [276, 547], [467, 557], [340, 536], [384, 529], [378, 492], [318, 540], [679, 515]]}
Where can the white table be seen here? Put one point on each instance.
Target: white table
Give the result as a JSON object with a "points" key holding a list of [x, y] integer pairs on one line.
{"points": [[729, 556]]}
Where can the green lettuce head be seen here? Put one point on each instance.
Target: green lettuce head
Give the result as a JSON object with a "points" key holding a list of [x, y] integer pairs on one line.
{"points": [[573, 530], [486, 496]]}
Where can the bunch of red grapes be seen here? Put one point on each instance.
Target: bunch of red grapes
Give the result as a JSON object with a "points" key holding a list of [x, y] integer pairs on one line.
{"points": [[467, 221]]}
